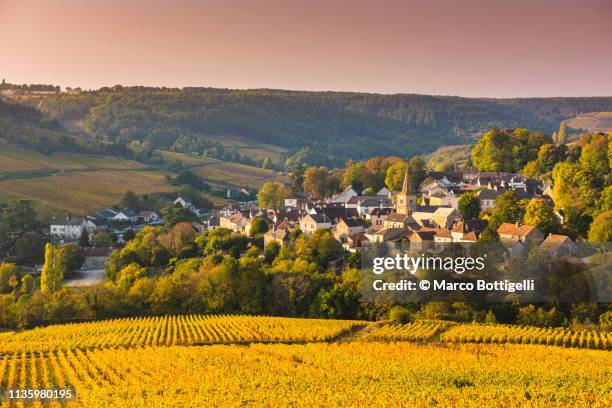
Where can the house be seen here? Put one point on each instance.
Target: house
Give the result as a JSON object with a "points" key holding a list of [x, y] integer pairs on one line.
{"points": [[442, 238], [421, 240], [312, 222], [396, 220], [346, 228], [233, 193], [102, 217], [337, 212], [366, 204], [297, 200], [149, 217], [441, 217], [387, 235], [186, 204], [71, 228], [378, 216], [469, 237], [384, 192], [280, 236], [344, 196], [487, 198], [524, 233], [235, 222], [96, 258], [558, 245], [212, 223], [355, 242], [125, 216]]}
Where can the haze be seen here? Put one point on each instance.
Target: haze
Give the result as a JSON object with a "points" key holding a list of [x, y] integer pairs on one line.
{"points": [[468, 48]]}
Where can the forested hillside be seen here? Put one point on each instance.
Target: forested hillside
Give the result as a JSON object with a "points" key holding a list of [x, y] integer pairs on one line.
{"points": [[27, 127], [333, 126]]}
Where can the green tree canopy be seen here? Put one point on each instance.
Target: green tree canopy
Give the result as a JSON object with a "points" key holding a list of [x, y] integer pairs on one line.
{"points": [[540, 214], [469, 206]]}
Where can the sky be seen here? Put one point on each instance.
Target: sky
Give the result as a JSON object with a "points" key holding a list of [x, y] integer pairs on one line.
{"points": [[473, 48]]}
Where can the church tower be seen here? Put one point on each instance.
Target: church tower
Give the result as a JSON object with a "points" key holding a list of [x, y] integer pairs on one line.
{"points": [[406, 199]]}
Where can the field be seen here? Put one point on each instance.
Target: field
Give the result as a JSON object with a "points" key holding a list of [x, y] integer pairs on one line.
{"points": [[218, 171], [321, 374], [592, 122], [236, 361], [81, 192], [174, 330], [249, 147], [16, 160]]}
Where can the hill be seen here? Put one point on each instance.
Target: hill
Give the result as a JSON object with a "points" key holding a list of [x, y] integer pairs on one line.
{"points": [[334, 126], [591, 122]]}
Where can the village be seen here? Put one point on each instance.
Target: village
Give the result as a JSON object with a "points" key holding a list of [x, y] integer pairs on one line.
{"points": [[425, 218]]}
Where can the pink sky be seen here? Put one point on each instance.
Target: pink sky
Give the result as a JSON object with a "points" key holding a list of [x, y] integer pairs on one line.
{"points": [[452, 47]]}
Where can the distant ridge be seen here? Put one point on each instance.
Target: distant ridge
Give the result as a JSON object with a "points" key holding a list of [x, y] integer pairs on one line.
{"points": [[332, 126]]}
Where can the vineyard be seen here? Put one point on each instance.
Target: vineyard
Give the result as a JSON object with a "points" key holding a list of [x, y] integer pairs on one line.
{"points": [[173, 330], [320, 374], [480, 333], [273, 361], [417, 331]]}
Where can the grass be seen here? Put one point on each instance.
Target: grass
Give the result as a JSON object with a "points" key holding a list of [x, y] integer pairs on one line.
{"points": [[14, 159], [250, 147], [236, 174], [80, 193]]}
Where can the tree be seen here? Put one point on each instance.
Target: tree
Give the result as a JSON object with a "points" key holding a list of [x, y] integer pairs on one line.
{"points": [[416, 168], [594, 159], [267, 163], [102, 238], [7, 271], [548, 156], [317, 182], [271, 251], [601, 228], [357, 175], [489, 234], [174, 215], [258, 226], [531, 169], [540, 214], [84, 238], [272, 195], [493, 152], [28, 248], [469, 206], [562, 135], [71, 258], [128, 275], [507, 208], [28, 284], [51, 274], [394, 178], [296, 177], [130, 200], [128, 235]]}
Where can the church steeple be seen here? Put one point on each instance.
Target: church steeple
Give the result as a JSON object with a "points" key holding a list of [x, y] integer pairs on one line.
{"points": [[406, 199], [407, 188]]}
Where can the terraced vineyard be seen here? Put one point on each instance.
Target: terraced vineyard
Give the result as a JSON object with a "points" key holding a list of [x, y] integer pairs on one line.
{"points": [[173, 330], [423, 330], [481, 333]]}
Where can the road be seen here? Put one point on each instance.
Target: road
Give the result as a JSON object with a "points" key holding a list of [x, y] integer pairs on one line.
{"points": [[86, 278]]}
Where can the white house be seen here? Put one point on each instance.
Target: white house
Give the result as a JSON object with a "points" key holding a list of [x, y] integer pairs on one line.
{"points": [[186, 204], [71, 228], [149, 217]]}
